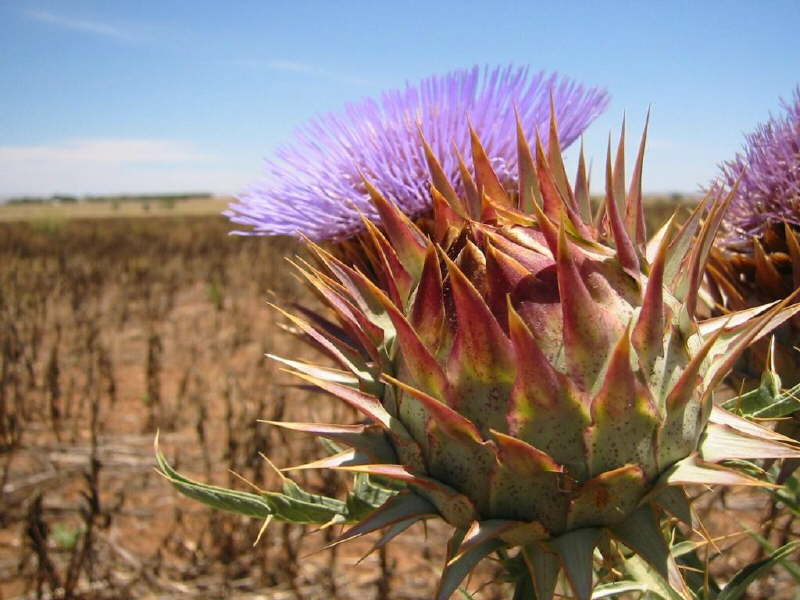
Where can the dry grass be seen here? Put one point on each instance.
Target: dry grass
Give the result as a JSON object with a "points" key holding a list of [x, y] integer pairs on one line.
{"points": [[113, 328]]}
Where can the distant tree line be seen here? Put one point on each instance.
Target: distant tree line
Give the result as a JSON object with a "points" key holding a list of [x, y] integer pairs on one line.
{"points": [[114, 199]]}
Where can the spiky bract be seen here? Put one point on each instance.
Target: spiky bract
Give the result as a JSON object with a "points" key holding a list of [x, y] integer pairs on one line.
{"points": [[314, 186], [527, 369], [766, 270], [531, 370]]}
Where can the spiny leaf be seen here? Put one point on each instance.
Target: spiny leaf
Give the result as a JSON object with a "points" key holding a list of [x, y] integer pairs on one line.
{"points": [[355, 283], [503, 274], [546, 408], [737, 586], [371, 407], [557, 200], [750, 333], [685, 388], [761, 403], [293, 506], [367, 404], [395, 530], [791, 566]]}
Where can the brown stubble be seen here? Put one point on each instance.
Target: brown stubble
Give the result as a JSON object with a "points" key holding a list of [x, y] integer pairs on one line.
{"points": [[111, 329]]}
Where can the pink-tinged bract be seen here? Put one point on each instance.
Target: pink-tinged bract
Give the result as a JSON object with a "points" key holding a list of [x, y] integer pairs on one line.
{"points": [[314, 185], [768, 174]]}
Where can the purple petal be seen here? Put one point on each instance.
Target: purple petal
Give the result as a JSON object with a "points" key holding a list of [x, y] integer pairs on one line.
{"points": [[769, 168]]}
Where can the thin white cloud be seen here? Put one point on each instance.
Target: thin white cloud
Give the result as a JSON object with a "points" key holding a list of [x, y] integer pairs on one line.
{"points": [[293, 66], [100, 166], [82, 25], [102, 151]]}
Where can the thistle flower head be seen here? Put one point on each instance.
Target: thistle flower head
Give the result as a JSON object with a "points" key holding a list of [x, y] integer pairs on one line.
{"points": [[768, 174], [314, 186], [757, 260], [526, 368]]}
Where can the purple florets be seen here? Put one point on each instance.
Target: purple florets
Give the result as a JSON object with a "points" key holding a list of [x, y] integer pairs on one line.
{"points": [[769, 168], [314, 186]]}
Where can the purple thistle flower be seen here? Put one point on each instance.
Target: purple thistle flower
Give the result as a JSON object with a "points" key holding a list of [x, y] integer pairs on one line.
{"points": [[769, 168], [314, 186]]}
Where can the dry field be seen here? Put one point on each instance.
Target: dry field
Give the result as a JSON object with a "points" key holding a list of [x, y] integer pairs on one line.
{"points": [[113, 328], [58, 213]]}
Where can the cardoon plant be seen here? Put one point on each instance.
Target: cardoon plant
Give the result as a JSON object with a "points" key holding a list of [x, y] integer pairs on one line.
{"points": [[757, 257], [527, 369]]}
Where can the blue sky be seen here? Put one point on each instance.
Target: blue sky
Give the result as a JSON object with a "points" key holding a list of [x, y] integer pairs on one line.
{"points": [[112, 97]]}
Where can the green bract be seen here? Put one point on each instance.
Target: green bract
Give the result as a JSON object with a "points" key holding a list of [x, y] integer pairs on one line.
{"points": [[529, 370]]}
